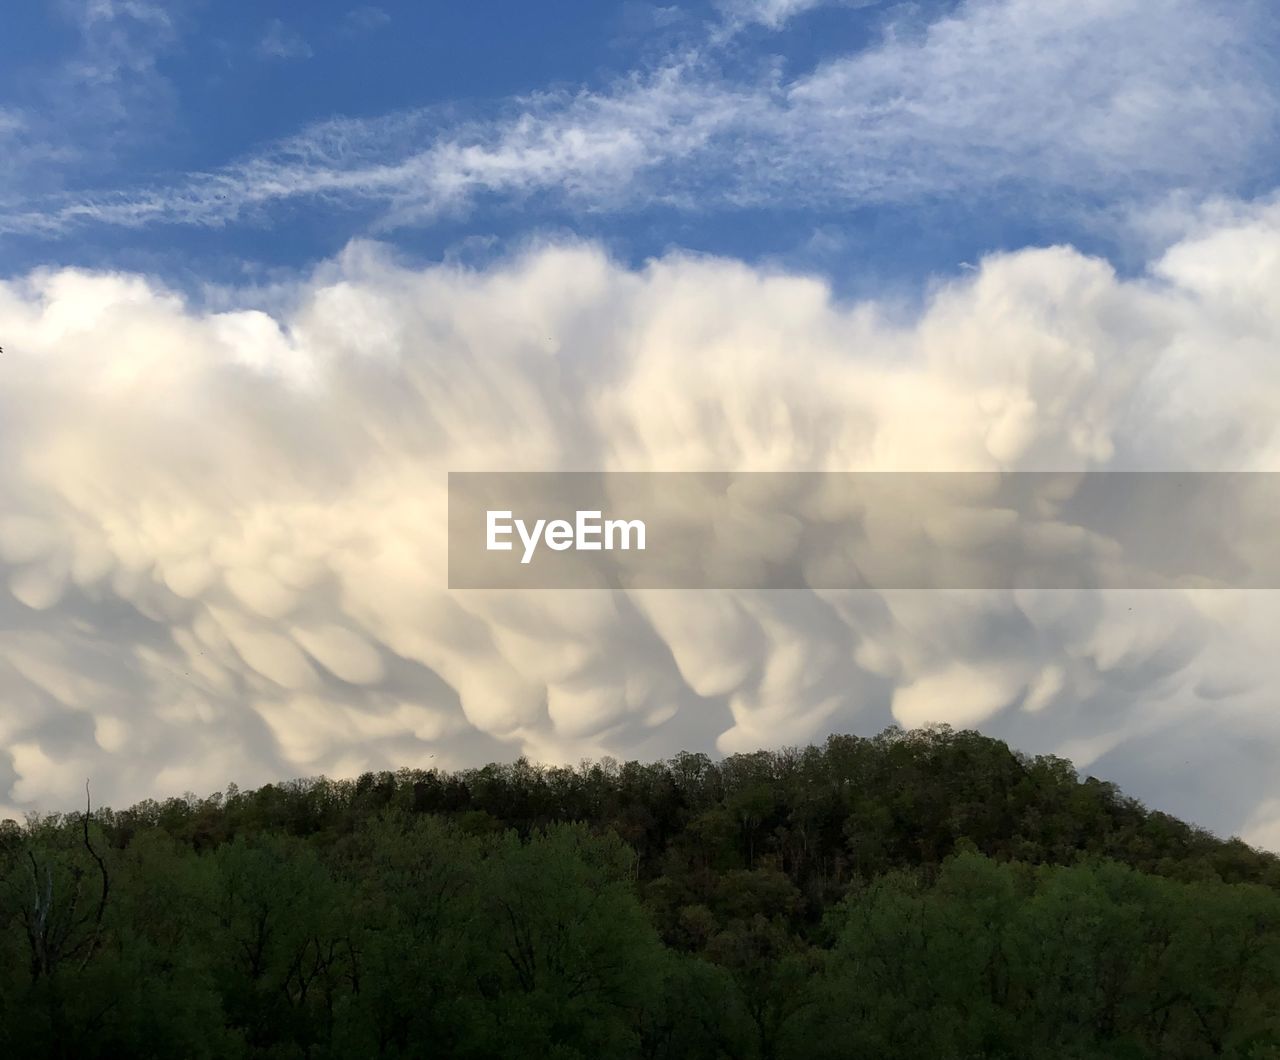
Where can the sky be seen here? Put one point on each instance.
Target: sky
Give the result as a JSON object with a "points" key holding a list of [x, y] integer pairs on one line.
{"points": [[269, 271]]}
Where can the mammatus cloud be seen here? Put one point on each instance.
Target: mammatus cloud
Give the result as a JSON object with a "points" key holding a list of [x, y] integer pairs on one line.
{"points": [[1094, 102], [223, 555]]}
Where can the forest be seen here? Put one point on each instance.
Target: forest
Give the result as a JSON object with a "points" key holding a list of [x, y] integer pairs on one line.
{"points": [[927, 893]]}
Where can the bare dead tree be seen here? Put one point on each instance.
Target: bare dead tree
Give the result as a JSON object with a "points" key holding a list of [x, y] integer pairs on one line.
{"points": [[96, 935], [60, 930]]}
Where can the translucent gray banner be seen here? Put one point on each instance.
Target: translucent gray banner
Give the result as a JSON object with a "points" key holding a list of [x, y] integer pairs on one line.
{"points": [[863, 530]]}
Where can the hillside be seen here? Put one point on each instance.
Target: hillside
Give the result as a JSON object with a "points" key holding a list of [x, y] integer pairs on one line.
{"points": [[918, 894]]}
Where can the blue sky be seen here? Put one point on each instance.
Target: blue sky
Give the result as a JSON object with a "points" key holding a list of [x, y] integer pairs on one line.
{"points": [[873, 142]]}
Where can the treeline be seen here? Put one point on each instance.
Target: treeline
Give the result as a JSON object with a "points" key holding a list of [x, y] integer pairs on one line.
{"points": [[921, 894]]}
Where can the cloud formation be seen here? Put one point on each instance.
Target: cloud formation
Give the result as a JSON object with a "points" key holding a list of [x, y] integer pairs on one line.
{"points": [[1051, 100], [281, 42], [106, 90], [774, 14], [223, 534]]}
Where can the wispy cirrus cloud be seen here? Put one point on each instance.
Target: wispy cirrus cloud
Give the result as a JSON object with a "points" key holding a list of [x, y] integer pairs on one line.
{"points": [[774, 14], [366, 18], [281, 42], [105, 92], [1095, 101]]}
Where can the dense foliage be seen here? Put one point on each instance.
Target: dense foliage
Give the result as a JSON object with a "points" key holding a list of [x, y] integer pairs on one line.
{"points": [[923, 894]]}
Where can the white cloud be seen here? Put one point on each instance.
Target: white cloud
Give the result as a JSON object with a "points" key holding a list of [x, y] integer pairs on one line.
{"points": [[1050, 99], [959, 694], [774, 14], [223, 547], [112, 78], [106, 92], [366, 18], [280, 42]]}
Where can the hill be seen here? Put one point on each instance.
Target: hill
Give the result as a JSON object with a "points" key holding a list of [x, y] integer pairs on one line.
{"points": [[916, 894]]}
